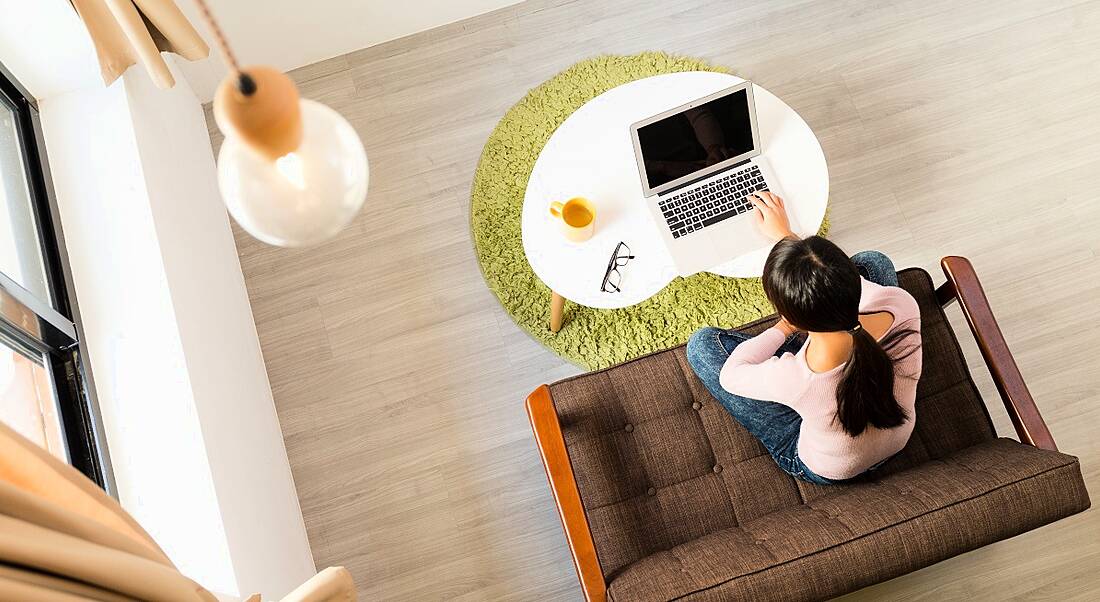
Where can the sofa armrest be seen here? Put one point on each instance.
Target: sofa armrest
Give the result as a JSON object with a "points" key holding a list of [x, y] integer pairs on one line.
{"points": [[563, 485], [963, 284]]}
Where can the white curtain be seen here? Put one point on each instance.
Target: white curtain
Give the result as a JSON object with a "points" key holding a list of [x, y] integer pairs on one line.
{"points": [[126, 32], [62, 538]]}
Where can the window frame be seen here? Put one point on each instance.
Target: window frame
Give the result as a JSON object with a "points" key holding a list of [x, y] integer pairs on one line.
{"points": [[57, 335]]}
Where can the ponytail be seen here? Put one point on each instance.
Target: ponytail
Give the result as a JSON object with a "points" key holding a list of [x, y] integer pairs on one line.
{"points": [[865, 393]]}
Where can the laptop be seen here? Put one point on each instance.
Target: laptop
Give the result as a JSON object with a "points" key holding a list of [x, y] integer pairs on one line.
{"points": [[698, 163]]}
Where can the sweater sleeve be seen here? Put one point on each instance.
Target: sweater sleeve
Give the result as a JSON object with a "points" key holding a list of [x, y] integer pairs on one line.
{"points": [[909, 365], [753, 371]]}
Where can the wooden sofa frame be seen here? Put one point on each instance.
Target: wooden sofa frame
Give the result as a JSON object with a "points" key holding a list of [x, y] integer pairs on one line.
{"points": [[962, 285]]}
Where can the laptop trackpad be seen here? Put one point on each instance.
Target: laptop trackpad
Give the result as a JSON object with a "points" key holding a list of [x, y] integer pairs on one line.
{"points": [[736, 238]]}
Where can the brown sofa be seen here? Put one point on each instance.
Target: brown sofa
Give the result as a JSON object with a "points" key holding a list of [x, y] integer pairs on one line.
{"points": [[663, 496]]}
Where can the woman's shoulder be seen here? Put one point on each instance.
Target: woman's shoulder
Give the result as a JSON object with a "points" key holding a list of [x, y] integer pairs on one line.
{"points": [[893, 299], [906, 309]]}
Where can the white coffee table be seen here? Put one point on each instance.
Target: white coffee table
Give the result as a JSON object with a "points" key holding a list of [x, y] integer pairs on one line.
{"points": [[591, 155]]}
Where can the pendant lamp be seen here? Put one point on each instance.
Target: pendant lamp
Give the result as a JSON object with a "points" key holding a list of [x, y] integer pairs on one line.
{"points": [[292, 172]]}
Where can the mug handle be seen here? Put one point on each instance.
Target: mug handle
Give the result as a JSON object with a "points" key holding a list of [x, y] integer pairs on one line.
{"points": [[555, 208]]}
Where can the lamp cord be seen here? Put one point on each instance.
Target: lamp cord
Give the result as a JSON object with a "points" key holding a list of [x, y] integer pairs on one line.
{"points": [[244, 82]]}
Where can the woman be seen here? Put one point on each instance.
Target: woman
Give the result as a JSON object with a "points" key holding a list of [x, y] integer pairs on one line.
{"points": [[842, 402]]}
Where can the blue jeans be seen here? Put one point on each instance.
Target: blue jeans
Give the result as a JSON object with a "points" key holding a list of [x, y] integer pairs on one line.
{"points": [[774, 424]]}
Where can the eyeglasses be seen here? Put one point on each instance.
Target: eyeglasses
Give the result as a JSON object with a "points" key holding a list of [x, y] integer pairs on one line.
{"points": [[613, 278]]}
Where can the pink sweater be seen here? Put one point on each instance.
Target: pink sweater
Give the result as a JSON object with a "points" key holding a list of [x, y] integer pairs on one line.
{"points": [[753, 371]]}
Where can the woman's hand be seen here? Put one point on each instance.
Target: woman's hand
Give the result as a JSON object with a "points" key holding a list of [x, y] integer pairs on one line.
{"points": [[771, 215], [785, 327]]}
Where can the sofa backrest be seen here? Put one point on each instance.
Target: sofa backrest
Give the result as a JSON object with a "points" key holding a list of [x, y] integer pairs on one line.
{"points": [[659, 462]]}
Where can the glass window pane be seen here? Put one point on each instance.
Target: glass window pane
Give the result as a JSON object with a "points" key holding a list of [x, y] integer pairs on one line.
{"points": [[20, 254], [27, 403]]}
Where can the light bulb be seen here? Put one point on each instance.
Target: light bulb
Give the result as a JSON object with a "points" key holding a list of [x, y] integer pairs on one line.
{"points": [[304, 196]]}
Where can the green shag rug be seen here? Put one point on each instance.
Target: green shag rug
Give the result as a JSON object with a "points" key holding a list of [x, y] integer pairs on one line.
{"points": [[590, 338]]}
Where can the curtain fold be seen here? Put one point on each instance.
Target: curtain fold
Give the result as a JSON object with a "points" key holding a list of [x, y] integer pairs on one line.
{"points": [[63, 538], [61, 535], [125, 32]]}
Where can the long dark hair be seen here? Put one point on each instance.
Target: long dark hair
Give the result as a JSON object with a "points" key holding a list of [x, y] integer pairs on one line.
{"points": [[816, 287]]}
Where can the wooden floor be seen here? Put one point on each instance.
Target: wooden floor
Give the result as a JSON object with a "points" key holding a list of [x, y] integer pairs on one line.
{"points": [[950, 127]]}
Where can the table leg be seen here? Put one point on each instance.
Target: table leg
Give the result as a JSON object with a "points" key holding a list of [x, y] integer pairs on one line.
{"points": [[557, 305]]}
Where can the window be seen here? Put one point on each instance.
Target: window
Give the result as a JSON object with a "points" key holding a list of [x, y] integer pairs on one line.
{"points": [[43, 395]]}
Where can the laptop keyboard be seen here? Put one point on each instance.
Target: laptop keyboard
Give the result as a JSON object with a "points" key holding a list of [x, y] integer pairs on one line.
{"points": [[706, 205]]}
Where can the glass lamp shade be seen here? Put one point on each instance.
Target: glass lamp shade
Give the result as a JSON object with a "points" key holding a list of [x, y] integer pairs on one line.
{"points": [[304, 196]]}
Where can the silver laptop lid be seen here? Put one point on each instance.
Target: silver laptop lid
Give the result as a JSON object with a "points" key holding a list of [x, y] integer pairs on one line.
{"points": [[696, 139]]}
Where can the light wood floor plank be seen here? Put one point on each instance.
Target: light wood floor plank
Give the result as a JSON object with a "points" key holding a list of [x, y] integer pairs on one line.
{"points": [[950, 128]]}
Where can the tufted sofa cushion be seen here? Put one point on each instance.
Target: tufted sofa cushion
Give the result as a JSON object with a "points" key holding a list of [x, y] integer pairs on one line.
{"points": [[903, 521], [677, 493]]}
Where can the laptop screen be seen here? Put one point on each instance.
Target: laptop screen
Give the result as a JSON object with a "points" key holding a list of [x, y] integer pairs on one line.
{"points": [[695, 139]]}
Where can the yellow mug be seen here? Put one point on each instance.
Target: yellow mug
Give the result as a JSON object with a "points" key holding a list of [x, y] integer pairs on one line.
{"points": [[578, 218]]}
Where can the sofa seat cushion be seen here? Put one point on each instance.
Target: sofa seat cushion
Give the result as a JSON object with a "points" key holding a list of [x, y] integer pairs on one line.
{"points": [[904, 521]]}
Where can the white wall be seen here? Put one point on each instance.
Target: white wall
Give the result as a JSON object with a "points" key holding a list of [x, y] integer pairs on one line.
{"points": [[161, 468], [44, 44], [293, 33], [284, 33], [251, 474], [190, 422]]}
